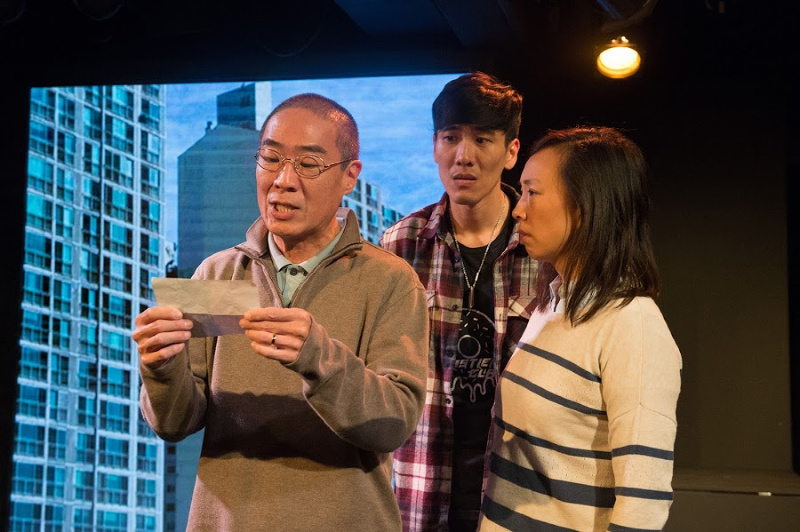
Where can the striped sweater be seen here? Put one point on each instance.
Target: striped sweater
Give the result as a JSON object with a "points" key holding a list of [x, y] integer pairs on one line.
{"points": [[584, 425]]}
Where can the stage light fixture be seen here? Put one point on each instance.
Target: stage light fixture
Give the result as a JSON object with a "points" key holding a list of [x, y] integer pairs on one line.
{"points": [[618, 59]]}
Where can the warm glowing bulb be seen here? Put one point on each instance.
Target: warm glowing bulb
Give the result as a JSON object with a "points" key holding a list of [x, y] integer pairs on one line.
{"points": [[619, 60]]}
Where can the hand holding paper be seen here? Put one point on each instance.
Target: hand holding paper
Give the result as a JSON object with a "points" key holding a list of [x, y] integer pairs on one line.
{"points": [[214, 307], [160, 333], [217, 308], [277, 333]]}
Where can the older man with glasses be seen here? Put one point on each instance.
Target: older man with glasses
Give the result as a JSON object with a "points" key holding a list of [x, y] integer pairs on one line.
{"points": [[302, 411]]}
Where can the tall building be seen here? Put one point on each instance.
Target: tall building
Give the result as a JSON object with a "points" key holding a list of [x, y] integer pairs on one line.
{"points": [[373, 216], [245, 107], [216, 193], [84, 458]]}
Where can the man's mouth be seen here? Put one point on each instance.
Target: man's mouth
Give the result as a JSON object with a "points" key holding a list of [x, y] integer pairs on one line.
{"points": [[280, 207]]}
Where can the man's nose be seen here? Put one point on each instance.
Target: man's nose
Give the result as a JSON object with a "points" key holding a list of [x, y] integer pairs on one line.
{"points": [[464, 153], [287, 176]]}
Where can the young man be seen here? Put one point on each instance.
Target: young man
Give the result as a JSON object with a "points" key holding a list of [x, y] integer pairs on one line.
{"points": [[481, 291], [301, 411]]}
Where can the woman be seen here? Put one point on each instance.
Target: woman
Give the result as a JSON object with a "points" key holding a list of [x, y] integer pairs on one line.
{"points": [[584, 417]]}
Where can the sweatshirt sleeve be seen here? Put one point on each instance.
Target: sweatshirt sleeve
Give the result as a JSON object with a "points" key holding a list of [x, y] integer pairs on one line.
{"points": [[173, 396], [372, 401], [641, 383]]}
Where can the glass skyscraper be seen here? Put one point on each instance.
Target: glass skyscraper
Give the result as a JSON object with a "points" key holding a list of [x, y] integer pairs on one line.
{"points": [[84, 459]]}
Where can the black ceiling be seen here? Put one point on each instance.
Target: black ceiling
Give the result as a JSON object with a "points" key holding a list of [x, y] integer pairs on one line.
{"points": [[75, 39]]}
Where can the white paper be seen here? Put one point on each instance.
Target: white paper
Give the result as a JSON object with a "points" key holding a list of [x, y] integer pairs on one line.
{"points": [[215, 307]]}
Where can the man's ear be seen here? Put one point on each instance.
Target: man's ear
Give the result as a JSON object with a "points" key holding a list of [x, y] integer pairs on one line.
{"points": [[512, 152], [350, 176]]}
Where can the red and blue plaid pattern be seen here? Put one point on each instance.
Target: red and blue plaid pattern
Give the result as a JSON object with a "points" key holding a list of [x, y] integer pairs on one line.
{"points": [[422, 465]]}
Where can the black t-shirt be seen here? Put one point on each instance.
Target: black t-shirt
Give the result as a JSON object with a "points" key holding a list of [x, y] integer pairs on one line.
{"points": [[473, 384]]}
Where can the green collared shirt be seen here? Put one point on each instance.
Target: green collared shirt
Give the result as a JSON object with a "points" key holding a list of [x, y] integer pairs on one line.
{"points": [[291, 275]]}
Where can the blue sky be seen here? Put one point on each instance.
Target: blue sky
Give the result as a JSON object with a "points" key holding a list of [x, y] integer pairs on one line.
{"points": [[393, 114]]}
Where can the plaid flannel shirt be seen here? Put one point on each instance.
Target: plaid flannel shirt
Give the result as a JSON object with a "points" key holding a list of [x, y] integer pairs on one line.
{"points": [[422, 465]]}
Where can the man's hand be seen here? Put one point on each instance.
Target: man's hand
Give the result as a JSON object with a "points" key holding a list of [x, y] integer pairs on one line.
{"points": [[160, 333], [277, 333]]}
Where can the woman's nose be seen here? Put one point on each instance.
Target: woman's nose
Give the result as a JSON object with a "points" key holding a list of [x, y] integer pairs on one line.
{"points": [[519, 212]]}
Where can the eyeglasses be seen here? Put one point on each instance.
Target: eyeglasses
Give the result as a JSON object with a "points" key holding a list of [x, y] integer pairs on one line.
{"points": [[310, 166]]}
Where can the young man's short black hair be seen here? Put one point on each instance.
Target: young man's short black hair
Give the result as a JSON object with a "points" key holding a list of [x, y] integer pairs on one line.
{"points": [[481, 100]]}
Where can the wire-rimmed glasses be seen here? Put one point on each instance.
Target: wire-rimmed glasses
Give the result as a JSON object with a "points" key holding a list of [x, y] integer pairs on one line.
{"points": [[307, 165]]}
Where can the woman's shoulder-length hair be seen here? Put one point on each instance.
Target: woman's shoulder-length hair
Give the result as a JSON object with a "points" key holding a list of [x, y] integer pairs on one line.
{"points": [[609, 251]]}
